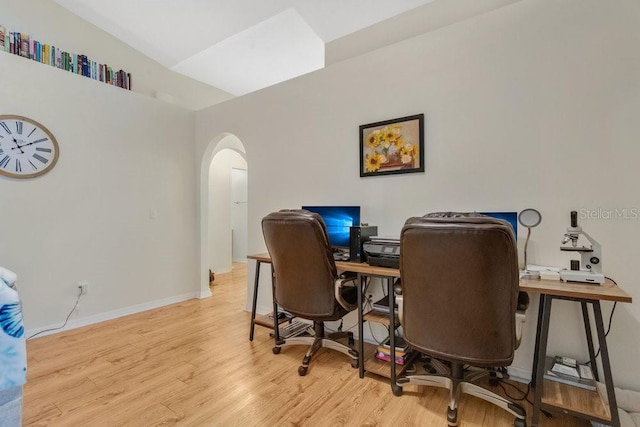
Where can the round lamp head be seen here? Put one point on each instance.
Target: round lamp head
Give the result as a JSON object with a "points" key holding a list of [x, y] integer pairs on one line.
{"points": [[529, 218]]}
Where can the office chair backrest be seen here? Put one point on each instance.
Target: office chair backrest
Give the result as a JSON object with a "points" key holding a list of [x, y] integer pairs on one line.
{"points": [[460, 288], [303, 261]]}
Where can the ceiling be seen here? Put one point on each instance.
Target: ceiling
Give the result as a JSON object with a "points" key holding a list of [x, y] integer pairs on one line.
{"points": [[238, 46]]}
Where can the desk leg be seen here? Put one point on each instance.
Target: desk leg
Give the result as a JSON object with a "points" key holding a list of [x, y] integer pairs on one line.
{"points": [[587, 329], [542, 336], [606, 366], [360, 328], [255, 300], [397, 390], [534, 368], [276, 321]]}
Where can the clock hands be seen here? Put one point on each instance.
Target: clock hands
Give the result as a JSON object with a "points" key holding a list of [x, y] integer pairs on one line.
{"points": [[18, 146], [34, 142]]}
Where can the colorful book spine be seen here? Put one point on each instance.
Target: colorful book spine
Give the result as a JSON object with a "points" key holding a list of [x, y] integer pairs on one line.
{"points": [[399, 351], [387, 358], [24, 45]]}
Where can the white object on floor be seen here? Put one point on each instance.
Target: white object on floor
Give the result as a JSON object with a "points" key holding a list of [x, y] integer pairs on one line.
{"points": [[628, 406]]}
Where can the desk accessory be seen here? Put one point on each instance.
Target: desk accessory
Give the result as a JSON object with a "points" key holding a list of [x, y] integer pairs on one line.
{"points": [[529, 218], [383, 252], [575, 375], [590, 257], [358, 236], [27, 148]]}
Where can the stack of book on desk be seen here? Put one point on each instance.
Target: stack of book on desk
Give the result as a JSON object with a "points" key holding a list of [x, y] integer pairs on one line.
{"points": [[402, 351], [567, 371]]}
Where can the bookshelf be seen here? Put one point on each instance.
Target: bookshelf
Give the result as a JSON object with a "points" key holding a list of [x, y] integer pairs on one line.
{"points": [[267, 321], [575, 401], [374, 365], [28, 47], [380, 367]]}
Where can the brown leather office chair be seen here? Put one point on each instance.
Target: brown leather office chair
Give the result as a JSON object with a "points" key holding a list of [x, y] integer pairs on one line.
{"points": [[458, 305], [306, 282]]}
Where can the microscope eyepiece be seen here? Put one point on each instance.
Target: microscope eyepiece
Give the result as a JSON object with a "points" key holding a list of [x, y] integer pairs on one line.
{"points": [[574, 219]]}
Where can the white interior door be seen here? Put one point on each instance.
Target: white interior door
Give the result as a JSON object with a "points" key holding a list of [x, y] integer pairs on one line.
{"points": [[239, 217]]}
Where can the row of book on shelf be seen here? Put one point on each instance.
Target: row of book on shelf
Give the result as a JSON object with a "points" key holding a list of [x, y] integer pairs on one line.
{"points": [[23, 45], [383, 352], [566, 370]]}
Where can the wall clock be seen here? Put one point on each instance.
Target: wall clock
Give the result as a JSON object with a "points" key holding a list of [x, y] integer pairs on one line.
{"points": [[27, 148]]}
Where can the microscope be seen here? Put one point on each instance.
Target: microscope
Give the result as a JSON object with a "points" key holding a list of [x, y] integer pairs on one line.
{"points": [[591, 258]]}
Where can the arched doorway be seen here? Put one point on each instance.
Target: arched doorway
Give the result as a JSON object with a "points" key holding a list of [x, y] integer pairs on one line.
{"points": [[223, 171]]}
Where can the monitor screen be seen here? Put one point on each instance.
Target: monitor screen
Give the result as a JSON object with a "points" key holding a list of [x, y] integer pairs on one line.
{"points": [[338, 219], [510, 217]]}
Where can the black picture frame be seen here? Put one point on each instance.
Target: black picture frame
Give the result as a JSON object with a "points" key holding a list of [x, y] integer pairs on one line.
{"points": [[392, 147]]}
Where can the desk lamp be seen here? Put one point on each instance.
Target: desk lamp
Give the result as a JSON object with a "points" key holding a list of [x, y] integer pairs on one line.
{"points": [[529, 218]]}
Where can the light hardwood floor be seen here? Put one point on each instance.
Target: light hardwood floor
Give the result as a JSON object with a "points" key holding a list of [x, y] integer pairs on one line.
{"points": [[192, 364]]}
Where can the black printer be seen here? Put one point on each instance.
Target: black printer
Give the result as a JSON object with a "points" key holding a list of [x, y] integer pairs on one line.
{"points": [[383, 252]]}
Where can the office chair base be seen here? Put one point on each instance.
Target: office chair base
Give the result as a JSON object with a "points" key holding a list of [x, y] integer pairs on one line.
{"points": [[452, 417], [317, 342], [457, 387]]}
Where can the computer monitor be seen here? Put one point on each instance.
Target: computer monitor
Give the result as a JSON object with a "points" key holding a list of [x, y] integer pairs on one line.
{"points": [[338, 219], [510, 217]]}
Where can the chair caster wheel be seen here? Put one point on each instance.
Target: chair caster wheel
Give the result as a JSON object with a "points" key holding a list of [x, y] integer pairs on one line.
{"points": [[452, 417], [354, 363], [493, 379], [302, 371], [397, 391], [276, 350], [519, 422]]}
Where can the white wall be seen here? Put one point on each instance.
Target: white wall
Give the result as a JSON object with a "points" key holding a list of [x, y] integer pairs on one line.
{"points": [[124, 158], [220, 208], [52, 24], [531, 105], [431, 16]]}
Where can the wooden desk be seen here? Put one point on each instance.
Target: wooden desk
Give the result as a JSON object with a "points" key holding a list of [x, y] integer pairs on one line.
{"points": [[388, 274], [266, 321], [548, 395], [557, 397], [363, 270]]}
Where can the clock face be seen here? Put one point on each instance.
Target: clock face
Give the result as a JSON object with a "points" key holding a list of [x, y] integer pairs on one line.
{"points": [[27, 148]]}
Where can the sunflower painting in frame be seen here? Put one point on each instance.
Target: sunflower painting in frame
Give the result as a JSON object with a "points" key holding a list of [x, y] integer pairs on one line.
{"points": [[392, 146]]}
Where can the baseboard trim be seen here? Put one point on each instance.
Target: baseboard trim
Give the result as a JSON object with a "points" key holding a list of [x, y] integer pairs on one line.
{"points": [[520, 375], [113, 314]]}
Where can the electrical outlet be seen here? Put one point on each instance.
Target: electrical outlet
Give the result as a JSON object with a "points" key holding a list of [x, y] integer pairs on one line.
{"points": [[83, 287]]}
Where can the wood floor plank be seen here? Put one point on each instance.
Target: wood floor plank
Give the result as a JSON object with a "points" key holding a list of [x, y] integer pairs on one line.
{"points": [[191, 364]]}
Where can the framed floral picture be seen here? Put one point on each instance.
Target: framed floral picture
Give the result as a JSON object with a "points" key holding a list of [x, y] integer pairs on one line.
{"points": [[392, 146]]}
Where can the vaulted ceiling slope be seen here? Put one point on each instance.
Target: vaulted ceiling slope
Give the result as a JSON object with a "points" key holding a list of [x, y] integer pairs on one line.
{"points": [[238, 46]]}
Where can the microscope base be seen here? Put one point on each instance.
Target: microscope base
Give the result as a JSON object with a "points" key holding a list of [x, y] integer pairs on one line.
{"points": [[529, 275], [582, 276]]}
